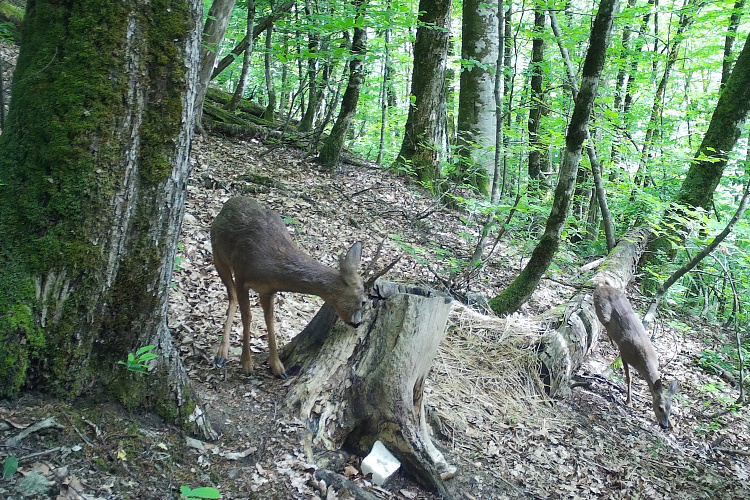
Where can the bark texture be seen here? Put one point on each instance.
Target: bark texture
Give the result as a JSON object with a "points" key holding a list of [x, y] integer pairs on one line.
{"points": [[331, 150], [96, 155], [573, 327], [424, 123], [522, 287], [213, 34], [357, 386], [476, 101]]}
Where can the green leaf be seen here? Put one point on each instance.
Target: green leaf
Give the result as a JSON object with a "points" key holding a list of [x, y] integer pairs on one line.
{"points": [[10, 467]]}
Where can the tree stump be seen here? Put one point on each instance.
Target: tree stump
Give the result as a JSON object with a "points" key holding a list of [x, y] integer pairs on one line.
{"points": [[358, 386]]}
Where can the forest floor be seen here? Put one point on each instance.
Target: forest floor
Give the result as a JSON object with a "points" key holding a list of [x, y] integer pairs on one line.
{"points": [[505, 441]]}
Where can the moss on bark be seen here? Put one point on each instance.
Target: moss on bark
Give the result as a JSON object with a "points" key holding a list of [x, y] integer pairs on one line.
{"points": [[63, 159]]}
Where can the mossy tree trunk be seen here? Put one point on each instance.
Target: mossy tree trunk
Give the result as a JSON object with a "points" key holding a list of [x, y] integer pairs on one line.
{"points": [[520, 290], [707, 167], [93, 170], [331, 150], [424, 123]]}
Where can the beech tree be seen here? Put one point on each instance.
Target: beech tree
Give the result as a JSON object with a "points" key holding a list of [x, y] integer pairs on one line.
{"points": [[329, 154], [424, 125], [521, 288], [476, 100], [93, 169]]}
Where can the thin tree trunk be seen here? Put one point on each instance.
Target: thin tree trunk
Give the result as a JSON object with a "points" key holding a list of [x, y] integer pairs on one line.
{"points": [[242, 83], [213, 34], [384, 94], [260, 27], [609, 230], [687, 15], [331, 150], [734, 24], [620, 87], [522, 287], [270, 112], [499, 98], [536, 97]]}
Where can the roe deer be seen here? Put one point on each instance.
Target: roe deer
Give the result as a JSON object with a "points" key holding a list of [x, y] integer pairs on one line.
{"points": [[252, 244], [626, 330]]}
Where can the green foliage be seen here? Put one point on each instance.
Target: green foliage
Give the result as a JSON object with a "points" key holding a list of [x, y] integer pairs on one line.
{"points": [[7, 32], [205, 492], [138, 362], [10, 466]]}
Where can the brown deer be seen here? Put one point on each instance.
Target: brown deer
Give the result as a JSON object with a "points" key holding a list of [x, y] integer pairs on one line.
{"points": [[626, 330], [252, 244]]}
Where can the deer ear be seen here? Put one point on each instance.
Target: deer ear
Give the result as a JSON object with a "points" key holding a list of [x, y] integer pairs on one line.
{"points": [[673, 387], [353, 257], [658, 385]]}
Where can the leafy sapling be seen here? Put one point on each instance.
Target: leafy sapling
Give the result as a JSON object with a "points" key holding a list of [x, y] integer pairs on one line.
{"points": [[138, 362]]}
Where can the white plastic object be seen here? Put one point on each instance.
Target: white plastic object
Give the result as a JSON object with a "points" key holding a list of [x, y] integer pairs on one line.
{"points": [[381, 463]]}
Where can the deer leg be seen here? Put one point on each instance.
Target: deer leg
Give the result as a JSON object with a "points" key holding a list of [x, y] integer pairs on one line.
{"points": [[625, 367], [277, 367], [225, 273], [244, 301]]}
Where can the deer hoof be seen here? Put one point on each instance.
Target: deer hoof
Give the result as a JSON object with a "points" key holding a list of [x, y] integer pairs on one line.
{"points": [[219, 361]]}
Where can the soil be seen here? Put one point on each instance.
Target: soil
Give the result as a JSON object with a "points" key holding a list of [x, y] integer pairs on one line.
{"points": [[588, 446]]}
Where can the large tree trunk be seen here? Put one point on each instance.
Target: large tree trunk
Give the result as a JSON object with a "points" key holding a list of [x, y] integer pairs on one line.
{"points": [[476, 101], [358, 386], [522, 287], [213, 34], [331, 150], [95, 154], [427, 109]]}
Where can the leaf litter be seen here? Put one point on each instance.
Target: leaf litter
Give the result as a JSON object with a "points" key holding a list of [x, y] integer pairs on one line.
{"points": [[482, 394]]}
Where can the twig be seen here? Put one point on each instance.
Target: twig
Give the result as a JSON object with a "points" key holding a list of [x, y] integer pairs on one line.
{"points": [[44, 424], [730, 451], [39, 454]]}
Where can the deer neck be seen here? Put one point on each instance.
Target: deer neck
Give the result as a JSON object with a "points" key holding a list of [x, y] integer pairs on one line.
{"points": [[304, 275]]}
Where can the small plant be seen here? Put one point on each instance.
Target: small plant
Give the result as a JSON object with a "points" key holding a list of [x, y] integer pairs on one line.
{"points": [[177, 259], [137, 362], [205, 492], [10, 467]]}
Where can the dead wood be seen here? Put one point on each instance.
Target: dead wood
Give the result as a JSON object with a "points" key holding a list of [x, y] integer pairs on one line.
{"points": [[573, 329], [357, 386]]}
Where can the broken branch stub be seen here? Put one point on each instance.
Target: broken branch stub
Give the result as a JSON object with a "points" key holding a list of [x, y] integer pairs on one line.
{"points": [[357, 386]]}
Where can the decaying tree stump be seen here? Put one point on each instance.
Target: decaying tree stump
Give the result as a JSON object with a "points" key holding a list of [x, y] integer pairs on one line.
{"points": [[356, 386], [573, 327]]}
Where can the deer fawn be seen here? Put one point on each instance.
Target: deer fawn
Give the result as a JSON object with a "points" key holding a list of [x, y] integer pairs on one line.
{"points": [[626, 330], [252, 244]]}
